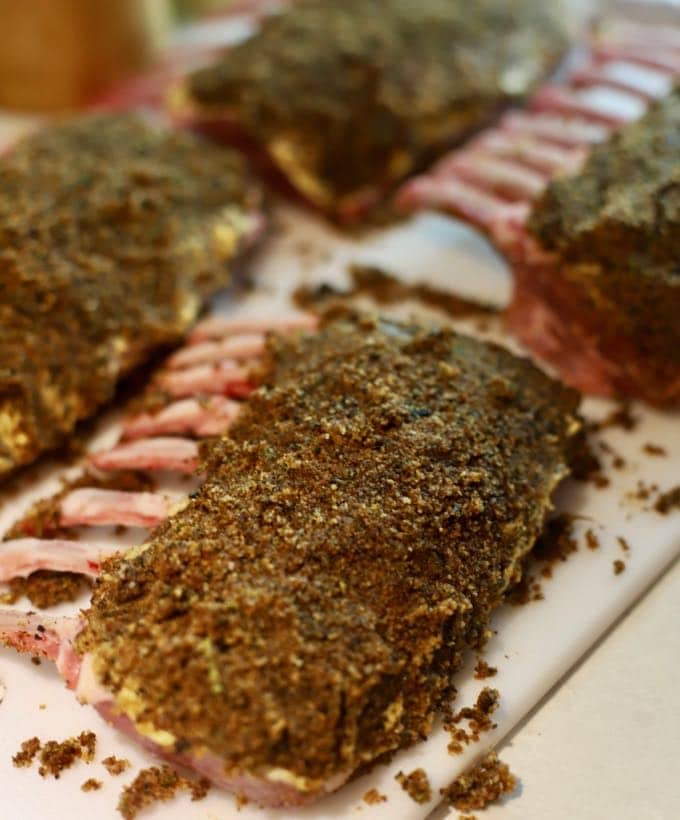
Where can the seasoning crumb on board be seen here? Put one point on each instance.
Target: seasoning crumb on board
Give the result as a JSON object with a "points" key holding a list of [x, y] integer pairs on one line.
{"points": [[373, 796], [56, 756], [625, 546], [483, 670], [668, 501], [387, 289], [115, 765], [157, 783], [26, 755], [91, 785], [620, 417], [592, 541], [416, 785], [654, 449], [484, 784], [479, 718], [619, 566]]}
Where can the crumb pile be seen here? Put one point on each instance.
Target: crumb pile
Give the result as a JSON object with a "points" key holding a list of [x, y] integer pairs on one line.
{"points": [[56, 756], [157, 784], [416, 785], [478, 717], [484, 784]]}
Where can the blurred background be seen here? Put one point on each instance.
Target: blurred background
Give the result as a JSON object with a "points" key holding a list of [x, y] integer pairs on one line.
{"points": [[60, 54]]}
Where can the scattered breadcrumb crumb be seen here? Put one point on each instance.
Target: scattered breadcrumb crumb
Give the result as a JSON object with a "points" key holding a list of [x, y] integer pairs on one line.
{"points": [[56, 756], [668, 501], [654, 450], [478, 717], [91, 785], [115, 765], [592, 541], [555, 544], [482, 785], [619, 566], [483, 670], [416, 785], [157, 783], [35, 660], [373, 796], [625, 546], [621, 417], [29, 749]]}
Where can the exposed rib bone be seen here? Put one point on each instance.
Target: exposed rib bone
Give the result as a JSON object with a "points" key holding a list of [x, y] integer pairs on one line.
{"points": [[208, 417], [22, 556], [647, 83], [572, 103], [567, 131], [626, 32], [89, 506], [170, 453], [206, 379], [217, 327], [500, 176], [663, 59], [241, 348], [488, 212], [52, 638], [528, 150]]}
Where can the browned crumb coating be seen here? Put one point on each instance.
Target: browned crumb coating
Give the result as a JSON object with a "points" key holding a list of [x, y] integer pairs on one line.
{"points": [[483, 670], [26, 756], [354, 533], [485, 783], [373, 797], [328, 87], [668, 501], [91, 785], [619, 566], [45, 588], [115, 765], [416, 785], [112, 230], [385, 288], [157, 783], [56, 756], [592, 541]]}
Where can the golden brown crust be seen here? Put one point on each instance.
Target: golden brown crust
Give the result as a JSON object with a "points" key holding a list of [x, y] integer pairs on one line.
{"points": [[111, 232], [306, 610]]}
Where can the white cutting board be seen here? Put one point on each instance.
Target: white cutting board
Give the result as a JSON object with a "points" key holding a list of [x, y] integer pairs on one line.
{"points": [[535, 645]]}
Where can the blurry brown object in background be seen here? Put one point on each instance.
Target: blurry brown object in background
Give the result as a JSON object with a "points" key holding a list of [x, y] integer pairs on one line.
{"points": [[56, 54]]}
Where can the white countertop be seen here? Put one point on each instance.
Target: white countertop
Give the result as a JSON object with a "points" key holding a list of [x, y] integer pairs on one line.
{"points": [[605, 743]]}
